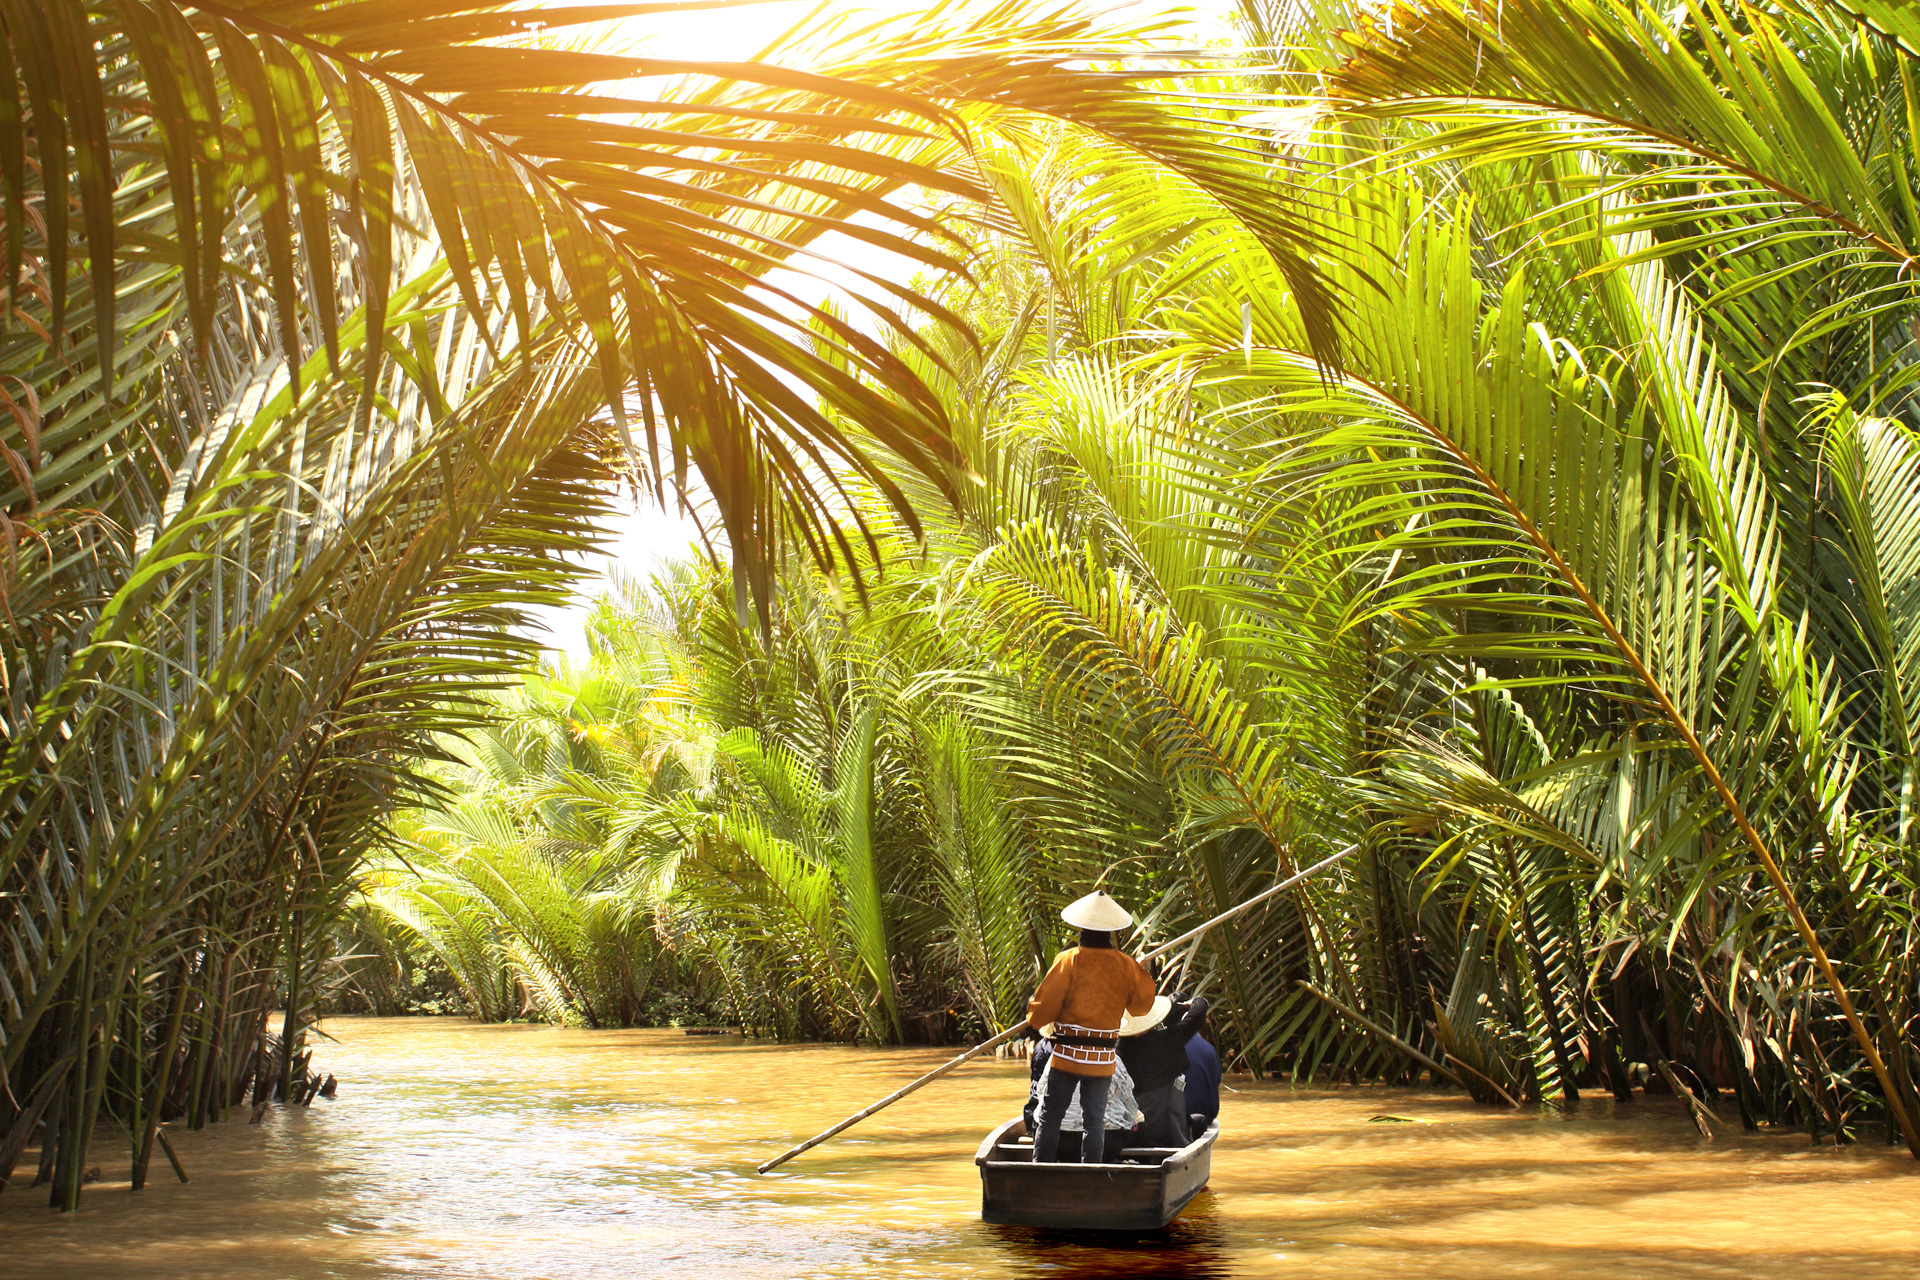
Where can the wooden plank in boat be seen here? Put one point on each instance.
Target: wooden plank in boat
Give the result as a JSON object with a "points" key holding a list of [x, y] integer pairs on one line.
{"points": [[1143, 1191]]}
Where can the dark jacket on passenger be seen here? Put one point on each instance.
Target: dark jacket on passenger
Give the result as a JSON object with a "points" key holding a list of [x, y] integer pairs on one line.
{"points": [[1155, 1057], [1203, 1079]]}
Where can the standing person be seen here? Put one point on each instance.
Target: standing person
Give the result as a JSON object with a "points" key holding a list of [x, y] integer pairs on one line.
{"points": [[1203, 1080], [1123, 1112], [1084, 996], [1153, 1048]]}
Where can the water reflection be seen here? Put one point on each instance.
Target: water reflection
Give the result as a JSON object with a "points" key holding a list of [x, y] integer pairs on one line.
{"points": [[541, 1153], [1195, 1245]]}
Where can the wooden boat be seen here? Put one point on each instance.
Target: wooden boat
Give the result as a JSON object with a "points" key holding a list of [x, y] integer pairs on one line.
{"points": [[1143, 1191]]}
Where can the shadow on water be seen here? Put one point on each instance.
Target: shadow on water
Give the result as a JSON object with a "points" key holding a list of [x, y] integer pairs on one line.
{"points": [[1195, 1246]]}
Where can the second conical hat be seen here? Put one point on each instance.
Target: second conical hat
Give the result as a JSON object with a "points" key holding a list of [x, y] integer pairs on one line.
{"points": [[1096, 911], [1132, 1026]]}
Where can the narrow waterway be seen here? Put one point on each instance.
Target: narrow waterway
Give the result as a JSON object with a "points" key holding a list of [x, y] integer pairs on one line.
{"points": [[458, 1150]]}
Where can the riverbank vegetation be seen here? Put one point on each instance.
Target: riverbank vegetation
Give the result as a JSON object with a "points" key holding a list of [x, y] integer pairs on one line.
{"points": [[1481, 433]]}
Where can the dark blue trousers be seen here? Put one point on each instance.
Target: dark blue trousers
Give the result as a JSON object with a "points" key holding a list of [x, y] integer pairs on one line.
{"points": [[1093, 1115]]}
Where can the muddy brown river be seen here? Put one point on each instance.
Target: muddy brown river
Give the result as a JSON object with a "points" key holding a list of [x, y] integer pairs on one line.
{"points": [[503, 1152]]}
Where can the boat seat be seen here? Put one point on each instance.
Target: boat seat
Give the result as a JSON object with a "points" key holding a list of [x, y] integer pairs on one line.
{"points": [[1023, 1151]]}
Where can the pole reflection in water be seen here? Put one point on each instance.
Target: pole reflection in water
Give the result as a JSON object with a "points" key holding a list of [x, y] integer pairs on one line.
{"points": [[503, 1153]]}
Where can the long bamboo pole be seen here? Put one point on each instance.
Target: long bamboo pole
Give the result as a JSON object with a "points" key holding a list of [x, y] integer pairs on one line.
{"points": [[1021, 1026]]}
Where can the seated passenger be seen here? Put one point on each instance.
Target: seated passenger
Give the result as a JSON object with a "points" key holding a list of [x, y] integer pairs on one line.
{"points": [[1084, 996], [1203, 1081], [1036, 1067], [1153, 1048]]}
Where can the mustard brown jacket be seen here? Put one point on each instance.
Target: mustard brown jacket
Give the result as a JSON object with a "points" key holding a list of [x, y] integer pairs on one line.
{"points": [[1090, 987]]}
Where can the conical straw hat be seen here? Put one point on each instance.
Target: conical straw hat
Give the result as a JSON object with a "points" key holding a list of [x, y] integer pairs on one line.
{"points": [[1132, 1026], [1096, 911]]}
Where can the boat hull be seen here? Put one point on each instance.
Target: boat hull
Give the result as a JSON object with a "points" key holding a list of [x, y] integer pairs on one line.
{"points": [[1144, 1191]]}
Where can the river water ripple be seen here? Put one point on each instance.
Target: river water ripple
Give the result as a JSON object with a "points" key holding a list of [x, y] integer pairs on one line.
{"points": [[508, 1152]]}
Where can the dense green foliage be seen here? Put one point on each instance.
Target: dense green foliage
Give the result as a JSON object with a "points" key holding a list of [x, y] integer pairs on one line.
{"points": [[1483, 432], [330, 325], [1579, 588]]}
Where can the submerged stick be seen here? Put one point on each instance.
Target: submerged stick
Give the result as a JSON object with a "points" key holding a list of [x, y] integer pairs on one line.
{"points": [[1021, 1026], [1697, 1111], [172, 1157]]}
